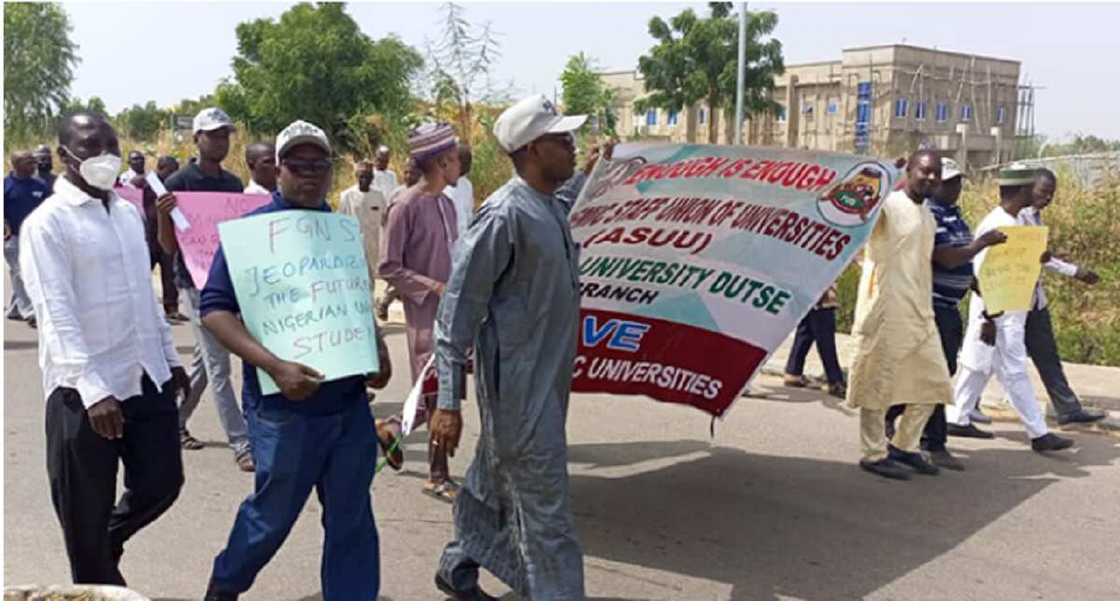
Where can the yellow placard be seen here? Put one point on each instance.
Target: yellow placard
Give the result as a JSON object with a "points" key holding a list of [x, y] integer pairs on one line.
{"points": [[1009, 271]]}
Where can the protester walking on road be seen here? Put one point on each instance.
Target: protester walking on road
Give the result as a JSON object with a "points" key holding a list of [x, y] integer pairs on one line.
{"points": [[899, 360], [110, 370], [23, 193], [953, 250], [210, 363], [996, 343], [165, 168], [384, 179], [513, 299], [312, 434], [411, 176], [819, 327], [1041, 346], [366, 204], [416, 261], [462, 193]]}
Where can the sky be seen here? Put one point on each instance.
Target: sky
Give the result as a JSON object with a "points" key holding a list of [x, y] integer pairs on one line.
{"points": [[133, 52]]}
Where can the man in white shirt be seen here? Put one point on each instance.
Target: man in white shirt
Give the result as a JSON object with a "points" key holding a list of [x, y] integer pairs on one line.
{"points": [[136, 163], [110, 370], [995, 343], [384, 180], [462, 193], [1041, 346], [261, 159], [367, 205]]}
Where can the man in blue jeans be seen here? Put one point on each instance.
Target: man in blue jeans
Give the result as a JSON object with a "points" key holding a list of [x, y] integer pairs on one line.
{"points": [[312, 434], [818, 326]]}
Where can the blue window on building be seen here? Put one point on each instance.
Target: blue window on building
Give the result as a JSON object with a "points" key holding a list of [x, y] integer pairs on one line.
{"points": [[920, 111], [901, 107], [651, 117], [672, 117], [833, 107], [966, 113], [942, 112], [702, 117], [1001, 114]]}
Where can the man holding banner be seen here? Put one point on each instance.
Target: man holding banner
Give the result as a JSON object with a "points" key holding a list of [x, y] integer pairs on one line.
{"points": [[210, 363], [995, 340], [314, 432], [899, 359], [513, 298]]}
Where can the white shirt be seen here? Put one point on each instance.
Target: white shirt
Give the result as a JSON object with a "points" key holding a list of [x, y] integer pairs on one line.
{"points": [[255, 188], [385, 182], [87, 273], [369, 209], [462, 195], [125, 179], [1030, 216]]}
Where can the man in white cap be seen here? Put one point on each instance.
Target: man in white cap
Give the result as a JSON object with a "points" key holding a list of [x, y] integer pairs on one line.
{"points": [[210, 363], [953, 250], [312, 434], [995, 343], [513, 298], [384, 180]]}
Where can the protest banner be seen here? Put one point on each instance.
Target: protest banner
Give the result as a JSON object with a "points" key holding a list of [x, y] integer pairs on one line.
{"points": [[303, 289], [204, 211], [132, 195], [1009, 271], [696, 262]]}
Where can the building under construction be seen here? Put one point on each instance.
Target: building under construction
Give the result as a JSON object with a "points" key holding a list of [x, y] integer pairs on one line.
{"points": [[878, 100]]}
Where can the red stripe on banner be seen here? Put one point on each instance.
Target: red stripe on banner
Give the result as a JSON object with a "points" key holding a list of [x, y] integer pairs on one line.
{"points": [[667, 361]]}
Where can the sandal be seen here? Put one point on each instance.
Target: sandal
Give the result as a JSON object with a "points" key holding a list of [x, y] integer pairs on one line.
{"points": [[390, 442], [444, 491], [793, 381], [189, 442]]}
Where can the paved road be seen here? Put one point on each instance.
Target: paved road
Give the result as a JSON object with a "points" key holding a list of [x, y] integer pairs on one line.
{"points": [[771, 508]]}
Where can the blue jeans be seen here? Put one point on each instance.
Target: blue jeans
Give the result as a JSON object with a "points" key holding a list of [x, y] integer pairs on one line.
{"points": [[818, 326], [335, 454]]}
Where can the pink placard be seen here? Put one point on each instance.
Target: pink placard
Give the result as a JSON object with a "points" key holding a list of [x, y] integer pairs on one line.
{"points": [[133, 195], [204, 211]]}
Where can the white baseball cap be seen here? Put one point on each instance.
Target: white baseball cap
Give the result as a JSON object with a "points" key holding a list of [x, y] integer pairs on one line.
{"points": [[530, 119], [300, 132], [211, 119], [949, 169]]}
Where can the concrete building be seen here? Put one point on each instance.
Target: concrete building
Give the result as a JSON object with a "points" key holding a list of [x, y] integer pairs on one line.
{"points": [[878, 100]]}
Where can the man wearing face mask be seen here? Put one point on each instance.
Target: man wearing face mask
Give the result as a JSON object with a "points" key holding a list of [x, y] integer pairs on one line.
{"points": [[312, 434], [110, 370], [210, 363]]}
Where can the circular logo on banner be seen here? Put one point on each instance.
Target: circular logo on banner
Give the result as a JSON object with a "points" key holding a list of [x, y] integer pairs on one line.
{"points": [[855, 199], [616, 172]]}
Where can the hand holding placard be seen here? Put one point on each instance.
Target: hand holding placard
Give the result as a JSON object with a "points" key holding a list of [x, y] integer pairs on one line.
{"points": [[1009, 271]]}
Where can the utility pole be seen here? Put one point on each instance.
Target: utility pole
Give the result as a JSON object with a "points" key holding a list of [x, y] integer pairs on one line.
{"points": [[742, 75]]}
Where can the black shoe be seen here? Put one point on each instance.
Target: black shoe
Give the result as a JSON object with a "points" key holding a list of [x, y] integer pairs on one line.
{"points": [[914, 461], [1050, 442], [33, 323], [213, 595], [944, 459], [969, 431], [1081, 416], [474, 594], [885, 468]]}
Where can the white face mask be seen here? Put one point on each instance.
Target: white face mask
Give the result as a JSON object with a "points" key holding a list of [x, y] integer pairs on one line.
{"points": [[100, 171]]}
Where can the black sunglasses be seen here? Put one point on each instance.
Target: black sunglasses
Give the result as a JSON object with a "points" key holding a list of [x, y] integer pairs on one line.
{"points": [[307, 167]]}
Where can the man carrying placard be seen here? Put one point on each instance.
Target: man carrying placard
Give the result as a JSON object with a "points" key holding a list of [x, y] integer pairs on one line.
{"points": [[996, 342], [513, 298], [416, 260], [312, 434], [210, 363]]}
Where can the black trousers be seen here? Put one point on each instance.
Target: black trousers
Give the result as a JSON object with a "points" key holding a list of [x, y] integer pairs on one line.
{"points": [[82, 467], [951, 329], [1043, 351], [166, 264], [818, 326]]}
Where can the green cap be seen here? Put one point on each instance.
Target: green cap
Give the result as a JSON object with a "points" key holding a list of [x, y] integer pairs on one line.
{"points": [[1017, 174]]}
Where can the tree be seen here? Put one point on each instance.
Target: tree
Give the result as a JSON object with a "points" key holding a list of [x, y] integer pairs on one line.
{"points": [[315, 64], [585, 93], [696, 60], [39, 61], [459, 68], [93, 105], [142, 122]]}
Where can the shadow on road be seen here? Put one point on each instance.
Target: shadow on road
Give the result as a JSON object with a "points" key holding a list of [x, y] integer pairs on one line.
{"points": [[777, 527], [20, 345]]}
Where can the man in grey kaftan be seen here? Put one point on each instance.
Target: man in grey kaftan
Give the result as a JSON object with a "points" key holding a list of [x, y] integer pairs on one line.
{"points": [[513, 297]]}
